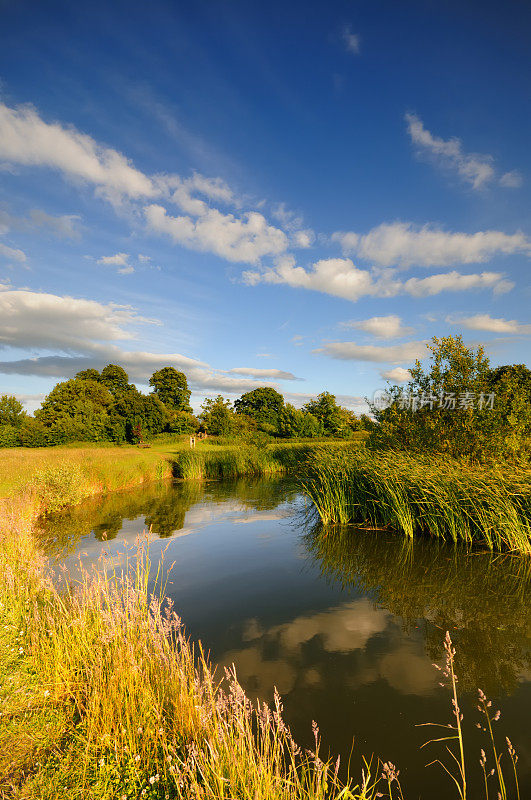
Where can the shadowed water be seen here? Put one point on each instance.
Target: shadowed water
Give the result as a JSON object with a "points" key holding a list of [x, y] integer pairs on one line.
{"points": [[345, 623]]}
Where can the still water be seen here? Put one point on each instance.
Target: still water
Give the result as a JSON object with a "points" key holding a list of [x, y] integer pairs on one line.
{"points": [[346, 625]]}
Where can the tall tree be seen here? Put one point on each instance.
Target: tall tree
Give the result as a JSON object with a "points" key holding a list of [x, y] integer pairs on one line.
{"points": [[115, 378], [263, 404], [325, 409], [11, 411], [216, 416], [171, 387]]}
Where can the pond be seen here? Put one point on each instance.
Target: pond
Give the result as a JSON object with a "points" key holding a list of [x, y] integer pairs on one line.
{"points": [[346, 624]]}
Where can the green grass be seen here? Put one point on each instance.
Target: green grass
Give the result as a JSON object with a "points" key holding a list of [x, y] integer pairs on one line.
{"points": [[435, 496]]}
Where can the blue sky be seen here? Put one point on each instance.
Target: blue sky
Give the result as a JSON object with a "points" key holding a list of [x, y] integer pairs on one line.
{"points": [[294, 194]]}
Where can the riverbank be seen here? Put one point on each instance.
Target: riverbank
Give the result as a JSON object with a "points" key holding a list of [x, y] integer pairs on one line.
{"points": [[53, 478], [415, 495], [104, 697]]}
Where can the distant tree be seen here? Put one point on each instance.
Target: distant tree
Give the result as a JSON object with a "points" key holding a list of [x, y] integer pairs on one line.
{"points": [[325, 409], [217, 416], [11, 411], [130, 409], [115, 378], [171, 388], [264, 405], [296, 423]]}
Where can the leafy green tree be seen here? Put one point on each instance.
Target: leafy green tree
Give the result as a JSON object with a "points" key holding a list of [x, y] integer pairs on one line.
{"points": [[325, 409], [447, 406], [171, 388], [79, 406], [11, 411], [115, 378], [131, 409], [296, 423], [264, 405], [217, 416]]}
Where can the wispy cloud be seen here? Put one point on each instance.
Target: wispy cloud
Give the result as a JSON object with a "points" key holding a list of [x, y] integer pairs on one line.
{"points": [[351, 41], [394, 354], [12, 253], [389, 327], [273, 374], [474, 168], [484, 322], [396, 374], [118, 260]]}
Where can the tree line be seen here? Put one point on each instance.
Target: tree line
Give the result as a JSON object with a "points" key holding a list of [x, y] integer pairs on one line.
{"points": [[103, 406]]}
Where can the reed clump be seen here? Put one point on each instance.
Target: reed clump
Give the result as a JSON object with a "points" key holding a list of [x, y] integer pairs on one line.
{"points": [[439, 497]]}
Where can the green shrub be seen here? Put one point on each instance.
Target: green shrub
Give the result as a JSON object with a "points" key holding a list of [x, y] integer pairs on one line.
{"points": [[57, 487]]}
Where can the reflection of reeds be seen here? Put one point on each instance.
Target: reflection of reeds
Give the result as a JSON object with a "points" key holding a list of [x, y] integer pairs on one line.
{"points": [[486, 597], [415, 495]]}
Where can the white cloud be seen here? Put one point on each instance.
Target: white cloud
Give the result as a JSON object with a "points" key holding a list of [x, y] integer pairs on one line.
{"points": [[341, 278], [144, 259], [66, 334], [118, 260], [300, 236], [12, 254], [404, 244], [126, 270], [484, 322], [275, 374], [394, 354], [397, 374], [389, 327], [511, 180], [475, 169], [245, 239], [352, 41], [26, 139]]}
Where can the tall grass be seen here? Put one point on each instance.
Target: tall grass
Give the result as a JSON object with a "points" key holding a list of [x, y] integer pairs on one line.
{"points": [[238, 460], [443, 498]]}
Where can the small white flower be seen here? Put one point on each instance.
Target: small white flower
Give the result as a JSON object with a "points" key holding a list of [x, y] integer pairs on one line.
{"points": [[101, 762], [152, 780], [46, 692], [161, 731], [137, 758], [20, 649]]}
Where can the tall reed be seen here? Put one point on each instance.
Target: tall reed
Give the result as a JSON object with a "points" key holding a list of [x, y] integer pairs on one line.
{"points": [[443, 498]]}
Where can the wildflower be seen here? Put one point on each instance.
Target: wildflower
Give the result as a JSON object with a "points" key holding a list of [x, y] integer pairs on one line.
{"points": [[161, 731], [101, 762], [20, 649], [46, 692], [137, 757]]}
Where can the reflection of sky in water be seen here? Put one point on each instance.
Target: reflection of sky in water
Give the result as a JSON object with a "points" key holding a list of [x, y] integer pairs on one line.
{"points": [[347, 628]]}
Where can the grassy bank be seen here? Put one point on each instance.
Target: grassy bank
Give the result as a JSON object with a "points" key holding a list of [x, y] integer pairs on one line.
{"points": [[103, 697], [54, 478], [435, 496]]}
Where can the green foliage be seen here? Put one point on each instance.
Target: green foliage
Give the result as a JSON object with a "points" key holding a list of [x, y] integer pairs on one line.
{"points": [[328, 413], [115, 378], [217, 416], [296, 423], [131, 409], [263, 405], [171, 388], [463, 425], [80, 407], [9, 436], [88, 375], [11, 411]]}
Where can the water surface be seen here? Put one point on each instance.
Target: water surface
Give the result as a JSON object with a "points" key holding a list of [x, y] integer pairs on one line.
{"points": [[345, 624]]}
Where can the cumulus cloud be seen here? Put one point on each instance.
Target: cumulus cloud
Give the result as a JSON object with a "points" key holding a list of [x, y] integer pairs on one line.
{"points": [[475, 169], [397, 374], [389, 327], [245, 239], [340, 277], [27, 139], [403, 244], [484, 322], [300, 236], [394, 354]]}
